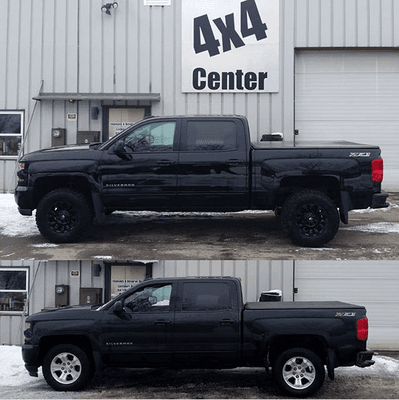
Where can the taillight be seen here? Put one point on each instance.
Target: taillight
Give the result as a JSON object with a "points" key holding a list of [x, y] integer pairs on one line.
{"points": [[362, 329], [377, 170]]}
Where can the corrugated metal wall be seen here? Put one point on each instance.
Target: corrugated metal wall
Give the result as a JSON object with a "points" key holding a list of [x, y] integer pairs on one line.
{"points": [[256, 276], [71, 46], [43, 276]]}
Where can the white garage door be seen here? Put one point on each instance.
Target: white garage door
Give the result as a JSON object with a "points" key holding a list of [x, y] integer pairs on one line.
{"points": [[373, 284], [350, 95]]}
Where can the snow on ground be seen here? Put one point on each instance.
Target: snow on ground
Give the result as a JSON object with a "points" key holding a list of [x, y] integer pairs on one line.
{"points": [[13, 372], [13, 224]]}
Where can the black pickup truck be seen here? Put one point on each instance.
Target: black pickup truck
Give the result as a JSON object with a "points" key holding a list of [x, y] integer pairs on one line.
{"points": [[197, 323], [200, 163]]}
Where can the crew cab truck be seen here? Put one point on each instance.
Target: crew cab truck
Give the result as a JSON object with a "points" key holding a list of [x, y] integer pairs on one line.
{"points": [[200, 163], [198, 322]]}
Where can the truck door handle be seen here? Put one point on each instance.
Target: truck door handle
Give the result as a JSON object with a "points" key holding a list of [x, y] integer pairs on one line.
{"points": [[234, 162], [166, 162], [227, 321], [162, 322]]}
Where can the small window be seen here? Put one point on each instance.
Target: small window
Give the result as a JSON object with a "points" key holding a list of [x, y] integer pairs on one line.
{"points": [[211, 135], [149, 299], [13, 289], [11, 130], [158, 137], [206, 296]]}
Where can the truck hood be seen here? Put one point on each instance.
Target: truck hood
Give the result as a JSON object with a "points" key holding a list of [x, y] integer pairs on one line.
{"points": [[69, 152], [64, 313]]}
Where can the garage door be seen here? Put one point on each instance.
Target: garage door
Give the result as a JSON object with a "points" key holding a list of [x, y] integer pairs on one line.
{"points": [[350, 95], [372, 284]]}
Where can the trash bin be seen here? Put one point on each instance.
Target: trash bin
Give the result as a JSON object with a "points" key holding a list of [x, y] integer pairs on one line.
{"points": [[271, 295]]}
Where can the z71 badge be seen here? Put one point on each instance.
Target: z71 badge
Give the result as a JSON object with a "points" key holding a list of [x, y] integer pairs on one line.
{"points": [[345, 314], [365, 154]]}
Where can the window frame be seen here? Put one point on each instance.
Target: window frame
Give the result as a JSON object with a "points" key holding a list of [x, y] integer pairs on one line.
{"points": [[21, 134], [26, 290]]}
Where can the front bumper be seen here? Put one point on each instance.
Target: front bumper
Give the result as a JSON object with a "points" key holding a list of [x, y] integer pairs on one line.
{"points": [[379, 200], [30, 354], [23, 196], [364, 359]]}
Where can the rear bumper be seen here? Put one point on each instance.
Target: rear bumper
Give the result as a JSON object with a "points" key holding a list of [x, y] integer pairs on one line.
{"points": [[379, 200], [364, 359]]}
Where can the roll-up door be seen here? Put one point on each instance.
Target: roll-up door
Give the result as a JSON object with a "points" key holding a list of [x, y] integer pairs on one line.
{"points": [[350, 94], [373, 284]]}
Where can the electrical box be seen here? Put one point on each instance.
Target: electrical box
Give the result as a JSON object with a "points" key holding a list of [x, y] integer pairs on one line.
{"points": [[90, 296], [61, 295], [86, 137], [58, 137]]}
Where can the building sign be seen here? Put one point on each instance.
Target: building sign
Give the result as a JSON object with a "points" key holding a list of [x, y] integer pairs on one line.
{"points": [[125, 284], [230, 46]]}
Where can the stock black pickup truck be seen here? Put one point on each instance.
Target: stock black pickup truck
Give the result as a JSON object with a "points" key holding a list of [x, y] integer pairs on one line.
{"points": [[197, 323], [200, 163]]}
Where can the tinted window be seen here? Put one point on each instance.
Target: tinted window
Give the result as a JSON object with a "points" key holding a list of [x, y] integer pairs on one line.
{"points": [[211, 135], [199, 296], [158, 136], [149, 299]]}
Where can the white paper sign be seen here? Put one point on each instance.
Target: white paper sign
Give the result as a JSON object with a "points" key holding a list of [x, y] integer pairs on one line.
{"points": [[230, 46]]}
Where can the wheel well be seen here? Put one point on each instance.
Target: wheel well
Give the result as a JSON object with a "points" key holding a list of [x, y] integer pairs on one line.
{"points": [[46, 185], [328, 185], [282, 343], [83, 342]]}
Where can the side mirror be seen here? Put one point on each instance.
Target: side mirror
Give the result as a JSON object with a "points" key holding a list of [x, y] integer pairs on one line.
{"points": [[119, 149], [118, 310]]}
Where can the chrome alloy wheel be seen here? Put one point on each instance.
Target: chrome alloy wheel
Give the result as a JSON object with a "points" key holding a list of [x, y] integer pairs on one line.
{"points": [[299, 373], [65, 368]]}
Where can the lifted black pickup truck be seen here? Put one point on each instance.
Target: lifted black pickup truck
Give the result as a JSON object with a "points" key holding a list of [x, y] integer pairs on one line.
{"points": [[200, 163], [197, 323]]}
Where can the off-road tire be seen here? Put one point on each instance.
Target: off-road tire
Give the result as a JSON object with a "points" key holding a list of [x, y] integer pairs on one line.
{"points": [[66, 368], [309, 218], [299, 372], [63, 215]]}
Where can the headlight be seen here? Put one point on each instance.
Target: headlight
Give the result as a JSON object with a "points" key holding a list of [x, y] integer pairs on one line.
{"points": [[28, 333]]}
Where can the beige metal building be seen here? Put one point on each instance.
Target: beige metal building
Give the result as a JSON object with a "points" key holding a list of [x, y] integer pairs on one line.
{"points": [[27, 287], [77, 71]]}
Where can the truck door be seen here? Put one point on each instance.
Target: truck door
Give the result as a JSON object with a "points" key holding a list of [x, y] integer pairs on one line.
{"points": [[141, 334], [144, 175], [207, 327], [213, 164]]}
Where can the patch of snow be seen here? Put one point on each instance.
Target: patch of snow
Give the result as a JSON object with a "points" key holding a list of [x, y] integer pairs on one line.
{"points": [[379, 227], [370, 210], [103, 257], [44, 245], [12, 223]]}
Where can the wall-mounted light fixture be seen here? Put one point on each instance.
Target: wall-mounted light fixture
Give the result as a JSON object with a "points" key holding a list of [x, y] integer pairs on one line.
{"points": [[106, 7]]}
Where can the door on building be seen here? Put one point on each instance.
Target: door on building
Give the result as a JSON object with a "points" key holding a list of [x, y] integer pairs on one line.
{"points": [[348, 94], [206, 324], [370, 284], [117, 119], [141, 335]]}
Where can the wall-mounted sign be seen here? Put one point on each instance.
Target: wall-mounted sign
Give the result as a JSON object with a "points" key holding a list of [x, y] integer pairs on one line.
{"points": [[75, 274], [72, 116], [230, 46]]}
